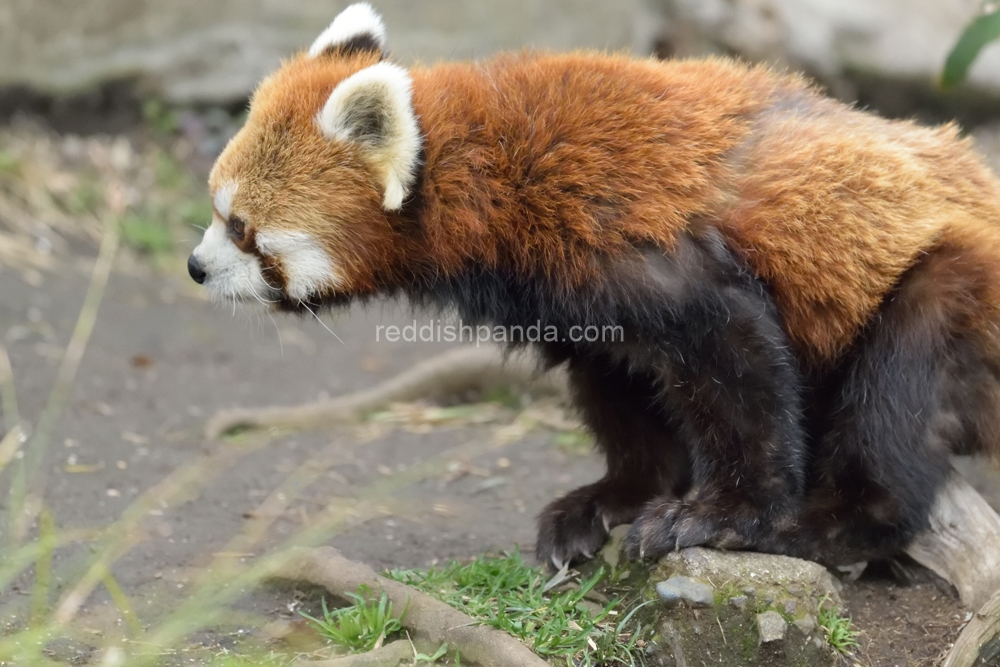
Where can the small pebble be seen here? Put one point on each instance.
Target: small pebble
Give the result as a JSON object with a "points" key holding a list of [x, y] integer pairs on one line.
{"points": [[806, 624], [694, 593], [668, 594], [740, 602], [771, 627]]}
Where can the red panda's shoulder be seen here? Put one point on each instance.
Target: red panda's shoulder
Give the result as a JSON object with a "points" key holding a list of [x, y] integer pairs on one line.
{"points": [[584, 152]]}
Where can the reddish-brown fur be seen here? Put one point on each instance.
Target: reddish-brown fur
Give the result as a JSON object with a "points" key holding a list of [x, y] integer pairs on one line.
{"points": [[830, 206]]}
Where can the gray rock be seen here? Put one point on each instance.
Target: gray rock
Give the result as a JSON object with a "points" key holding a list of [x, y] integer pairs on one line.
{"points": [[769, 576], [694, 593], [806, 624], [900, 40], [195, 51], [771, 627], [669, 595], [739, 601], [188, 51]]}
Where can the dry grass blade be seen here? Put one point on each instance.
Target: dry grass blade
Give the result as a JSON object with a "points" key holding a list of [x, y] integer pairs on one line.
{"points": [[23, 508]]}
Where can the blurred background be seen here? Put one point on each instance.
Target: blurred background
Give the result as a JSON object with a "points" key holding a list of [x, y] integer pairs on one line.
{"points": [[887, 53], [198, 52], [111, 113]]}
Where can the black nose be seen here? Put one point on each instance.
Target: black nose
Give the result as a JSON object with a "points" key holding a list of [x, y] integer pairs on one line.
{"points": [[194, 268]]}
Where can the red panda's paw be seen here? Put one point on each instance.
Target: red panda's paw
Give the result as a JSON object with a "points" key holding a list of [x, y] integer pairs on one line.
{"points": [[575, 526], [667, 524]]}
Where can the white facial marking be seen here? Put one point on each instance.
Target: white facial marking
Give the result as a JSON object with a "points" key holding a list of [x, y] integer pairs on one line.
{"points": [[224, 198], [307, 267], [357, 20], [382, 90], [231, 273]]}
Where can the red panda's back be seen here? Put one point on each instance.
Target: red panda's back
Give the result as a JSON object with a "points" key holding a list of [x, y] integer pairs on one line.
{"points": [[541, 160]]}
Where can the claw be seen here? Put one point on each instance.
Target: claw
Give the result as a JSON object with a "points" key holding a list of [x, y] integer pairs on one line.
{"points": [[607, 523], [559, 563]]}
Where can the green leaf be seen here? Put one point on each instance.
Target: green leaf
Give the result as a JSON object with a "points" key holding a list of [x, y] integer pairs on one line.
{"points": [[977, 35]]}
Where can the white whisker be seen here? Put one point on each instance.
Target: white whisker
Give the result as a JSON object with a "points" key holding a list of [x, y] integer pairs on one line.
{"points": [[256, 294], [323, 324], [281, 346]]}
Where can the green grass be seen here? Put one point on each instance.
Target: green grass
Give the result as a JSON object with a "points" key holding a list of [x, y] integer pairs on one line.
{"points": [[147, 234], [86, 197], [170, 174], [9, 162], [504, 396], [976, 36], [432, 658], [840, 634], [504, 593], [160, 118], [196, 212], [574, 442], [359, 627]]}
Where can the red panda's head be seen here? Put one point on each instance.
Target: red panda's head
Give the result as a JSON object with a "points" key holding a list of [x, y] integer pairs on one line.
{"points": [[304, 194]]}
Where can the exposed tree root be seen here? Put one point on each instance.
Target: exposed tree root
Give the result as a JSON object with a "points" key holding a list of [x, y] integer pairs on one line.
{"points": [[389, 655], [429, 619], [979, 643], [962, 542], [454, 372]]}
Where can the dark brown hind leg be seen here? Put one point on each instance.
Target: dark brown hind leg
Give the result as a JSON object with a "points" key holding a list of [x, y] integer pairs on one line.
{"points": [[919, 385], [644, 459]]}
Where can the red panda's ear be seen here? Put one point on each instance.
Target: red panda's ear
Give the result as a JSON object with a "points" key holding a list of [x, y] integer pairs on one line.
{"points": [[357, 28], [373, 108]]}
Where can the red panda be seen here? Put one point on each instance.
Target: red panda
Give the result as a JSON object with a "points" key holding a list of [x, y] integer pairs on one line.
{"points": [[809, 294]]}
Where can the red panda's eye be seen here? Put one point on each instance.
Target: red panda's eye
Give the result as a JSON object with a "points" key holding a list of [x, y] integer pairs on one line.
{"points": [[237, 228]]}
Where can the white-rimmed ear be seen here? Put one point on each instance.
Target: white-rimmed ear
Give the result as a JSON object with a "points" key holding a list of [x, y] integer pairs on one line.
{"points": [[357, 28], [374, 108]]}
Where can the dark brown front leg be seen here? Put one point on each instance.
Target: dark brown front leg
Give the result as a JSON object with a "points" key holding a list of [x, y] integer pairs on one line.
{"points": [[644, 456]]}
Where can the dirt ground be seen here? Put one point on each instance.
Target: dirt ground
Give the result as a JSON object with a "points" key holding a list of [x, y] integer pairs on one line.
{"points": [[162, 360]]}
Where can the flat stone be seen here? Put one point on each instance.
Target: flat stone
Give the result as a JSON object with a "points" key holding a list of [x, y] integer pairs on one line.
{"points": [[806, 624], [669, 595], [739, 601], [694, 593], [771, 627], [764, 577]]}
